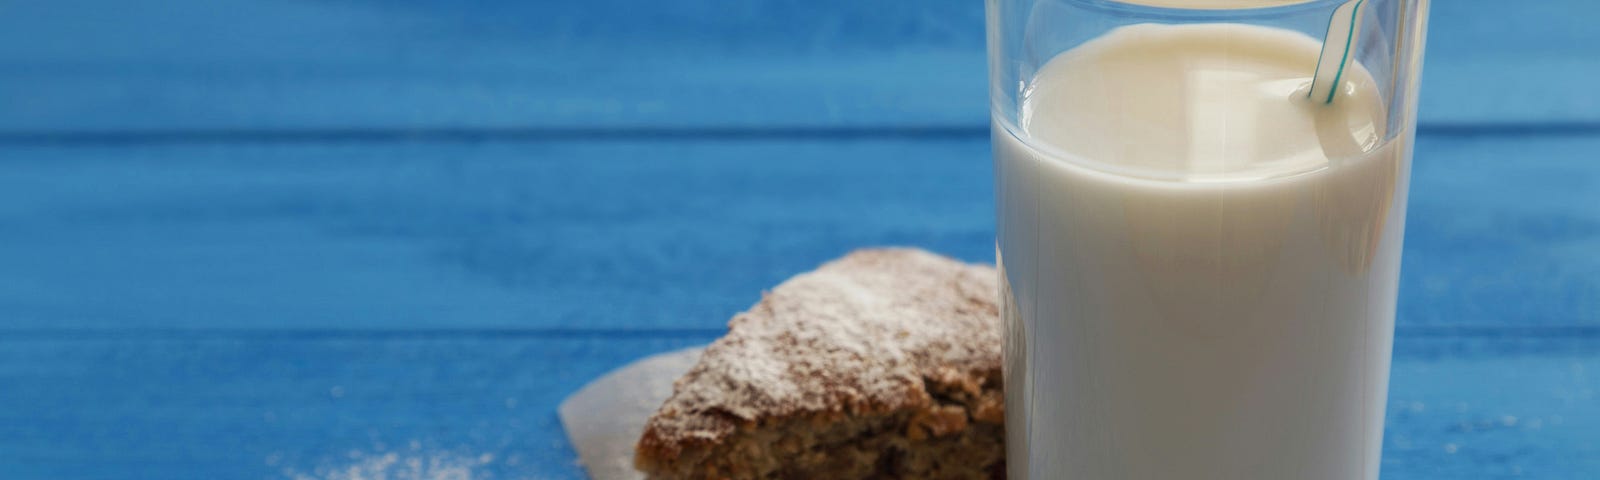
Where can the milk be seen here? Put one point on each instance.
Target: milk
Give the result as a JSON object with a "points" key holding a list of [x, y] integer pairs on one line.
{"points": [[1214, 4], [1199, 264]]}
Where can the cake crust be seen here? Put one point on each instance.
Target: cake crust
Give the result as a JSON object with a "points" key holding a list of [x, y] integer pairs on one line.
{"points": [[882, 364]]}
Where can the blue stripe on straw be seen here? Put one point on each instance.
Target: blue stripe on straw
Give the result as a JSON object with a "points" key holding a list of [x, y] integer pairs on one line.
{"points": [[1350, 37], [1313, 90]]}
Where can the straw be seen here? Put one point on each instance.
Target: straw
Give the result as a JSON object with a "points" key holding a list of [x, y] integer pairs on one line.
{"points": [[1337, 46]]}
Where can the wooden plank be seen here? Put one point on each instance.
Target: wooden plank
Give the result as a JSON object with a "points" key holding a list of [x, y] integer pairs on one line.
{"points": [[202, 407], [1493, 408], [1501, 230], [205, 408], [653, 234], [86, 66], [509, 235]]}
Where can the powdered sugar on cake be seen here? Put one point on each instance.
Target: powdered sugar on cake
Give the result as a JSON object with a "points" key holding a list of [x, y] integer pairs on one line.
{"points": [[866, 333]]}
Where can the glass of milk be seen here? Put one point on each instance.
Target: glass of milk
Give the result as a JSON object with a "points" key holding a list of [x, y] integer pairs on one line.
{"points": [[1198, 261]]}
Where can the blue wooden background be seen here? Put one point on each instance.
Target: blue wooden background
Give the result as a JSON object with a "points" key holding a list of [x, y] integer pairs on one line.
{"points": [[344, 238]]}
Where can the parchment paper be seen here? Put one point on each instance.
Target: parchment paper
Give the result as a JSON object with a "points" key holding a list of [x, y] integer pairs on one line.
{"points": [[605, 417]]}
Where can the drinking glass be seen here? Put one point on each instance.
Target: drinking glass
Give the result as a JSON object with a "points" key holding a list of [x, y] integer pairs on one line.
{"points": [[1199, 282]]}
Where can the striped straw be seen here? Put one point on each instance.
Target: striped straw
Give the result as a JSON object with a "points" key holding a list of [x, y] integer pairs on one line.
{"points": [[1337, 46]]}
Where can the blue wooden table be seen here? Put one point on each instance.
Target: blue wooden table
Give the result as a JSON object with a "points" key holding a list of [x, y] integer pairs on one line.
{"points": [[339, 239]]}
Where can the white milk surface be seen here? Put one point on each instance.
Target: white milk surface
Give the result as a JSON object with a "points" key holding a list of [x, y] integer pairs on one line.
{"points": [[1200, 264], [1214, 4]]}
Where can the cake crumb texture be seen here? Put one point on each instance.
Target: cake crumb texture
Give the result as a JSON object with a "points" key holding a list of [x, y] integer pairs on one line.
{"points": [[882, 364]]}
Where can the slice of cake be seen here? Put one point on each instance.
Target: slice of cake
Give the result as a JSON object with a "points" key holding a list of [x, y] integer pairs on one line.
{"points": [[883, 364]]}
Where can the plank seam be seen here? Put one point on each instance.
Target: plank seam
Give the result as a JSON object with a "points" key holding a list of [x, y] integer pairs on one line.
{"points": [[549, 134], [1461, 331]]}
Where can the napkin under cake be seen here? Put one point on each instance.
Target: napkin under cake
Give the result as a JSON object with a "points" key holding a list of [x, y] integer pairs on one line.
{"points": [[882, 364]]}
